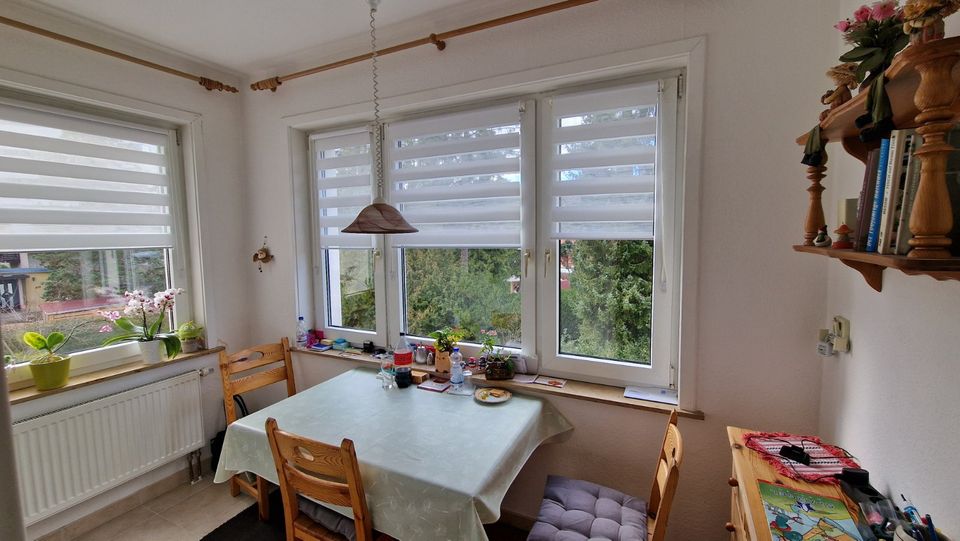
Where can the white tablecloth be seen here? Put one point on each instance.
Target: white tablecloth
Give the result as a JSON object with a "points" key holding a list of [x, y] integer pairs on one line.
{"points": [[434, 466]]}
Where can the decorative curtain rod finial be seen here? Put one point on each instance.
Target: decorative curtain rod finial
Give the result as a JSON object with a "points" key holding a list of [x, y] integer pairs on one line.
{"points": [[439, 43], [270, 84], [211, 84]]}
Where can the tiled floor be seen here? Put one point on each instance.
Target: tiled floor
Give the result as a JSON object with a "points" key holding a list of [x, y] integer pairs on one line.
{"points": [[186, 513]]}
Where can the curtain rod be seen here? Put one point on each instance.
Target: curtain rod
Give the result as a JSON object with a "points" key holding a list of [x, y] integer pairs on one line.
{"points": [[209, 84], [438, 40]]}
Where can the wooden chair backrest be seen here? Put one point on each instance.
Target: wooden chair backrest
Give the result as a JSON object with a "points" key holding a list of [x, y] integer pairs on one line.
{"points": [[665, 481], [319, 471], [250, 359]]}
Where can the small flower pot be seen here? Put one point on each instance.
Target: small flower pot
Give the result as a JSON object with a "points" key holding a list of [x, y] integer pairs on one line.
{"points": [[52, 374], [152, 351], [499, 370], [190, 345], [443, 361]]}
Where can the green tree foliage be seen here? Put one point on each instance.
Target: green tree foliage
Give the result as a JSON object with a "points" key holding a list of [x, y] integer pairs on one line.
{"points": [[65, 281], [607, 310]]}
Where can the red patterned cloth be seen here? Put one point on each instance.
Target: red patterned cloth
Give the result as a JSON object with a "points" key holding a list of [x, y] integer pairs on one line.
{"points": [[825, 459]]}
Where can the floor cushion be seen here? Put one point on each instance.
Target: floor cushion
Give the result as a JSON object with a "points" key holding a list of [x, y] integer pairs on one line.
{"points": [[574, 510], [328, 518]]}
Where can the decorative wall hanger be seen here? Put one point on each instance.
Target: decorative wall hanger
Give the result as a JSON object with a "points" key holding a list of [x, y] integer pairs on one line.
{"points": [[262, 255]]}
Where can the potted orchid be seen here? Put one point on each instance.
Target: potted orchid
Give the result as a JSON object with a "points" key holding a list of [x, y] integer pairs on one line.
{"points": [[142, 319], [499, 361], [876, 32]]}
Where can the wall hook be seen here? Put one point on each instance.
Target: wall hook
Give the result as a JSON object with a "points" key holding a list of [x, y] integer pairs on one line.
{"points": [[262, 255]]}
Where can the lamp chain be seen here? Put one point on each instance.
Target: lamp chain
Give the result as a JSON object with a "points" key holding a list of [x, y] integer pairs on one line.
{"points": [[378, 129]]}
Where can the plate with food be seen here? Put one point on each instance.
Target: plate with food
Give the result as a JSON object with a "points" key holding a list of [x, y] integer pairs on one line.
{"points": [[492, 395]]}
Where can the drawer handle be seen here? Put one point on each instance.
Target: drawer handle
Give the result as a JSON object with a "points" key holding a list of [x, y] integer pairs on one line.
{"points": [[733, 482], [730, 527]]}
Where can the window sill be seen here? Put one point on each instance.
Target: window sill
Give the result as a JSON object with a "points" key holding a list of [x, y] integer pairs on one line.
{"points": [[578, 390], [31, 393]]}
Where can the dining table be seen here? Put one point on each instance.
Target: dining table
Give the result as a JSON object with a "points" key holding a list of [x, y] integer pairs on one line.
{"points": [[435, 466]]}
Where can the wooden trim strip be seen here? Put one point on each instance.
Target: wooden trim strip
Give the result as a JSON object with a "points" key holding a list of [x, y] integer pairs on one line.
{"points": [[209, 84], [438, 40]]}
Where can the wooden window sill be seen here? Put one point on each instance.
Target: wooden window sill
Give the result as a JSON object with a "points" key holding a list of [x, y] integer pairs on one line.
{"points": [[579, 390], [31, 393]]}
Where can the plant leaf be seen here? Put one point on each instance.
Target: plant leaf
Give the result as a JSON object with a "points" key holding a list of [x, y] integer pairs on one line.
{"points": [[155, 327], [126, 324], [172, 344], [120, 338], [55, 339], [858, 53], [35, 340], [871, 63]]}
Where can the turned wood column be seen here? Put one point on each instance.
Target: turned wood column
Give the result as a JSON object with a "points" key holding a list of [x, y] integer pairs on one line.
{"points": [[815, 219], [932, 217]]}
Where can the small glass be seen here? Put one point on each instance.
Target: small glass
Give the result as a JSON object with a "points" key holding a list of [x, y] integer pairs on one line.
{"points": [[388, 373]]}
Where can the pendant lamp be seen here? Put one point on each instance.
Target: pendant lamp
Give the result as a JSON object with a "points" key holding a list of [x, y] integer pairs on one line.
{"points": [[379, 217]]}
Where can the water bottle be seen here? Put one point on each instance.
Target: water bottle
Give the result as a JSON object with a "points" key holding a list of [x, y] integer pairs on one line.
{"points": [[301, 333], [456, 369]]}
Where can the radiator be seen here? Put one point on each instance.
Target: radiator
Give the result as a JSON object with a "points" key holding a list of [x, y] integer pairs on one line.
{"points": [[75, 453]]}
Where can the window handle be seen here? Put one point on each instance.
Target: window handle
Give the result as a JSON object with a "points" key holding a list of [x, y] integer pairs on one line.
{"points": [[376, 254], [526, 262], [547, 256]]}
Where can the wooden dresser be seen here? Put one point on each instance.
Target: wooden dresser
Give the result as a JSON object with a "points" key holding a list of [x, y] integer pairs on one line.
{"points": [[747, 517]]}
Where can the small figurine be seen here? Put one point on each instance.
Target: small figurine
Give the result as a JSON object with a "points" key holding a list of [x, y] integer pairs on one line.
{"points": [[843, 237], [844, 76], [822, 240], [262, 255]]}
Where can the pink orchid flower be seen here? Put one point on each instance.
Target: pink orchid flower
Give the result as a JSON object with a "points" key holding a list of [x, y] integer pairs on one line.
{"points": [[862, 14], [883, 10], [106, 328]]}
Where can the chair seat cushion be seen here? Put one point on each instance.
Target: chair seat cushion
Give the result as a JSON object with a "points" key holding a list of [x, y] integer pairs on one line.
{"points": [[574, 510], [328, 518]]}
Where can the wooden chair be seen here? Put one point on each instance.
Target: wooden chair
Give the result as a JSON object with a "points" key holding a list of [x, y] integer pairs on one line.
{"points": [[324, 473], [564, 498], [244, 361]]}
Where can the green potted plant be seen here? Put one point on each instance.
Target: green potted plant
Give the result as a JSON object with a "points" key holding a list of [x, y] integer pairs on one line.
{"points": [[142, 320], [445, 340], [190, 335], [499, 362], [50, 371]]}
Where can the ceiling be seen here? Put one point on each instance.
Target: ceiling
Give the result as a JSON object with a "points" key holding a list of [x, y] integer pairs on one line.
{"points": [[244, 35]]}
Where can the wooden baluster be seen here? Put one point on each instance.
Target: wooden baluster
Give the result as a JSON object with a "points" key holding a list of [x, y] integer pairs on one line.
{"points": [[815, 219], [932, 218]]}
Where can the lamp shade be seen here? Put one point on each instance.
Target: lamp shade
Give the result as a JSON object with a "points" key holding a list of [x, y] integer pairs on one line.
{"points": [[379, 218]]}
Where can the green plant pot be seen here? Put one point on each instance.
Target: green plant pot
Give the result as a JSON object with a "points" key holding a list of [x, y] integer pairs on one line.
{"points": [[52, 374]]}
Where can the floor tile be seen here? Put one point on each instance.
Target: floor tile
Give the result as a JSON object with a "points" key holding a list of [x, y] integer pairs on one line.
{"points": [[111, 530], [203, 511], [156, 528], [178, 495]]}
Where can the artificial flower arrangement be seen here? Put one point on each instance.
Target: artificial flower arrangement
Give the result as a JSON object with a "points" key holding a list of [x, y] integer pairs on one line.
{"points": [[876, 32], [143, 319], [499, 362]]}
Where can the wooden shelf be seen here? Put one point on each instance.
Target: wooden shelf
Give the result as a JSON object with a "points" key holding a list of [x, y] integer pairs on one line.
{"points": [[871, 265]]}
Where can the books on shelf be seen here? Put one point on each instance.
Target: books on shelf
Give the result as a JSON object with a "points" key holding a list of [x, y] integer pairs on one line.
{"points": [[866, 200], [909, 196], [873, 231], [897, 163]]}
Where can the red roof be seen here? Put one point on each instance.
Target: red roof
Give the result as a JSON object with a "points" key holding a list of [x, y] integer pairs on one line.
{"points": [[79, 305]]}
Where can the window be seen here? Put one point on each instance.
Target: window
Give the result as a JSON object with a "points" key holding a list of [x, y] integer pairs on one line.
{"points": [[87, 211], [554, 220]]}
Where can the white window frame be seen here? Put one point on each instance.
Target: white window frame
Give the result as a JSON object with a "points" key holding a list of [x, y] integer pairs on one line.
{"points": [[665, 321], [320, 270], [91, 360], [688, 54]]}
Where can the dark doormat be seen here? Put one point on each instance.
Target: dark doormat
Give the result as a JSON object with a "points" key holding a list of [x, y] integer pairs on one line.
{"points": [[246, 526]]}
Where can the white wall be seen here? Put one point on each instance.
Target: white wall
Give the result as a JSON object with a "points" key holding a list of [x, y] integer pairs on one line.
{"points": [[70, 72], [893, 401], [759, 302]]}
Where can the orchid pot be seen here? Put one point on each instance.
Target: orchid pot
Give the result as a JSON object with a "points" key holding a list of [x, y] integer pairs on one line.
{"points": [[500, 369], [152, 351], [142, 320], [50, 372]]}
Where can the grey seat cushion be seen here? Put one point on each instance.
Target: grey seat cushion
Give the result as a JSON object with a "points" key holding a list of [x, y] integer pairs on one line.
{"points": [[574, 510], [328, 518]]}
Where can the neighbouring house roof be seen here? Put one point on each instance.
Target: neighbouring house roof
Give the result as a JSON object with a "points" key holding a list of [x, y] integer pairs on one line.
{"points": [[23, 271]]}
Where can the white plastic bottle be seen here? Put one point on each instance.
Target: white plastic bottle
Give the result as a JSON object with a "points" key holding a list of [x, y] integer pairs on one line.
{"points": [[456, 369], [301, 333]]}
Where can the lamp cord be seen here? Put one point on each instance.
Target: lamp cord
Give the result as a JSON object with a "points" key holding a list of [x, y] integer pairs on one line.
{"points": [[378, 129]]}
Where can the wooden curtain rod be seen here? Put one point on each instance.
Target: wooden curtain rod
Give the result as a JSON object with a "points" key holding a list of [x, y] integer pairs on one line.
{"points": [[209, 84], [438, 40]]}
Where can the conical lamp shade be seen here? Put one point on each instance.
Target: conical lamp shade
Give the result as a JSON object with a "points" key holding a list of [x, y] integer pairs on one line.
{"points": [[379, 218]]}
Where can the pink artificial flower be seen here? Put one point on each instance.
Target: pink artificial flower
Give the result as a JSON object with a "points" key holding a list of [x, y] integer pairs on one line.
{"points": [[842, 25], [106, 328], [883, 10], [862, 14]]}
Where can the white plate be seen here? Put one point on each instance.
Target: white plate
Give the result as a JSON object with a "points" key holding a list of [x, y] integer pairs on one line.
{"points": [[492, 395]]}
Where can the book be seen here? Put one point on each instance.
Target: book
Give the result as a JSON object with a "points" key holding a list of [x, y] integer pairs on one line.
{"points": [[909, 196], [552, 382], [893, 189], [873, 233], [864, 202], [798, 515], [436, 385]]}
